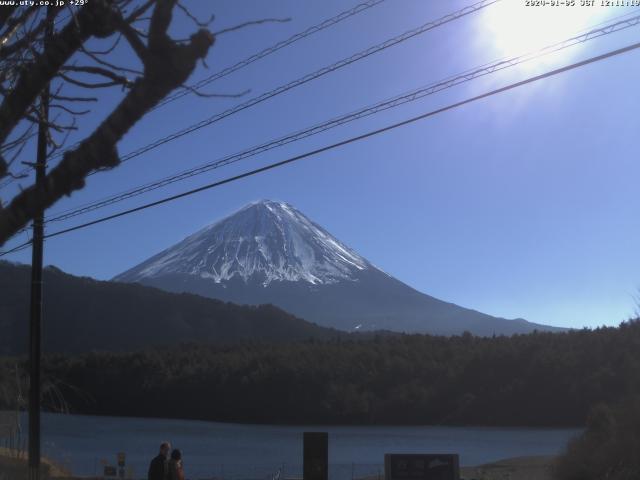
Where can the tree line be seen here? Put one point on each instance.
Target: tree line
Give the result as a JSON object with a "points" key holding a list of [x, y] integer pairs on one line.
{"points": [[538, 379]]}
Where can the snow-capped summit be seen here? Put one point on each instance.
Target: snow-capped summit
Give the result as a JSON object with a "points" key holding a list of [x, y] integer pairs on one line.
{"points": [[265, 241], [269, 252]]}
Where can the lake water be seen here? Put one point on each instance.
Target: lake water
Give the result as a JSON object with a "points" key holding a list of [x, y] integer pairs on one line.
{"points": [[233, 451]]}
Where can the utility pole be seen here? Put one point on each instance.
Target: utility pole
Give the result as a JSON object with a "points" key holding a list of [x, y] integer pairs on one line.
{"points": [[35, 324]]}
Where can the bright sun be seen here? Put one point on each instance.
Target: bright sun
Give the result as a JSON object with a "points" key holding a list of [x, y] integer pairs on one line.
{"points": [[516, 29]]}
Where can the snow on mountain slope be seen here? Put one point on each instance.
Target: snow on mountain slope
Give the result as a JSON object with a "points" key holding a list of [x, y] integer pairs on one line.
{"points": [[266, 240], [269, 252]]}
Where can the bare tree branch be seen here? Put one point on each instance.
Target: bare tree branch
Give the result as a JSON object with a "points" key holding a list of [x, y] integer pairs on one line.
{"points": [[115, 78], [58, 145], [136, 14], [74, 99], [17, 176], [195, 20], [13, 24], [80, 83], [134, 40], [101, 61], [198, 93], [53, 126], [22, 138], [95, 19], [251, 23], [108, 50], [5, 14], [167, 65], [68, 110]]}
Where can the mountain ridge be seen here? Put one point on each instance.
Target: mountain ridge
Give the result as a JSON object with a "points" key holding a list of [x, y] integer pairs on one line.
{"points": [[82, 314], [269, 252]]}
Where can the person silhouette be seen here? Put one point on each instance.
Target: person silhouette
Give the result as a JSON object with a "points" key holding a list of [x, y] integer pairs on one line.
{"points": [[176, 471], [159, 466]]}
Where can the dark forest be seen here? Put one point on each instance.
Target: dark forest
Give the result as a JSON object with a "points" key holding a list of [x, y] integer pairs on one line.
{"points": [[539, 379]]}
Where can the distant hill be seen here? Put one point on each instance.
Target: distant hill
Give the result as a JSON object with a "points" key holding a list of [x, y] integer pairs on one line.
{"points": [[269, 252], [82, 314]]}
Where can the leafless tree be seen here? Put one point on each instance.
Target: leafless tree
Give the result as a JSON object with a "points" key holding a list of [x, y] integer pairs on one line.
{"points": [[65, 63], [14, 382]]}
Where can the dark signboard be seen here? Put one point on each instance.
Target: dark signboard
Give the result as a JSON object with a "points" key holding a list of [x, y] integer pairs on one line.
{"points": [[316, 456], [421, 467], [110, 471]]}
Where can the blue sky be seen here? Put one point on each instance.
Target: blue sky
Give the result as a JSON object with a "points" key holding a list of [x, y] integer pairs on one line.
{"points": [[520, 205]]}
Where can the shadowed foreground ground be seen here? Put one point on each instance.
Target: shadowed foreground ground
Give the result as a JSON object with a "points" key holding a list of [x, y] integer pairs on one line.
{"points": [[520, 468], [14, 467]]}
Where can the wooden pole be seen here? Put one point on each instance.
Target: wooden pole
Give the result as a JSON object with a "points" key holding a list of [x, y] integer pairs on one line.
{"points": [[35, 321]]}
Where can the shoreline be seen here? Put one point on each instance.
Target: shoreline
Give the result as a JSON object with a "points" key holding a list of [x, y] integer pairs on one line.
{"points": [[328, 425], [500, 459], [538, 467]]}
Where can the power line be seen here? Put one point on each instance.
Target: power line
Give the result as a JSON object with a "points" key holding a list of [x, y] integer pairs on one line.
{"points": [[394, 102], [329, 22], [309, 77], [313, 76], [305, 79], [348, 141], [18, 248], [272, 49]]}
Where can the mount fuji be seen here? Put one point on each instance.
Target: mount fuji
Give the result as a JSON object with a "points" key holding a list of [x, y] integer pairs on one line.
{"points": [[269, 252]]}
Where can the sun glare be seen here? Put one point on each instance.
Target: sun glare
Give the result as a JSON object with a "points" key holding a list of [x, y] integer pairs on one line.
{"points": [[515, 29]]}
